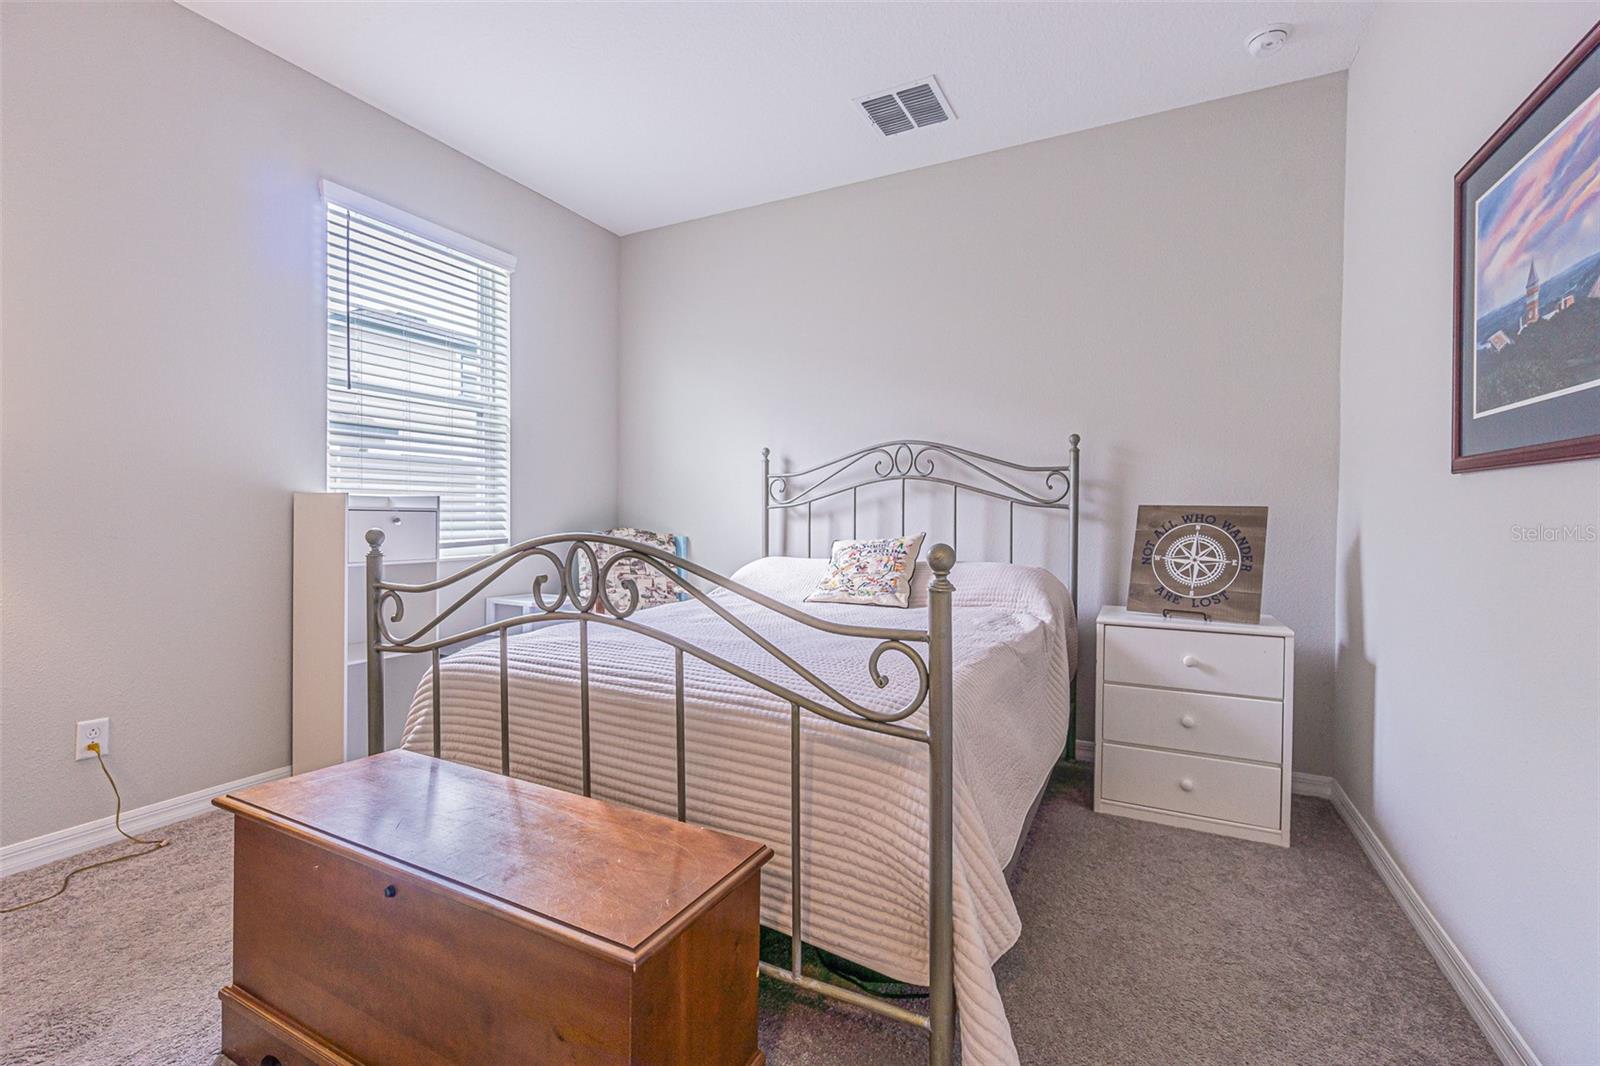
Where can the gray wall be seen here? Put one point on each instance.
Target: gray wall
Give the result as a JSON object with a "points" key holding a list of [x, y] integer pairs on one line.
{"points": [[1469, 662], [163, 383], [1168, 287]]}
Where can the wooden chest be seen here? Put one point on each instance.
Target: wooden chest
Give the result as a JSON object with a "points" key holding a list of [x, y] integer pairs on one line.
{"points": [[401, 909]]}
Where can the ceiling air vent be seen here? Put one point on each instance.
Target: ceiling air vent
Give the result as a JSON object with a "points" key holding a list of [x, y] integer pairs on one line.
{"points": [[908, 107]]}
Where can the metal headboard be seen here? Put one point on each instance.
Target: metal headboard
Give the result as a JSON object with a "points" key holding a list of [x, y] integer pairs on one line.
{"points": [[1046, 488], [1049, 488]]}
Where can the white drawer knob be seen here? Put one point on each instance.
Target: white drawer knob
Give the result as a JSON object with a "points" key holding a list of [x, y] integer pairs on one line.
{"points": [[1187, 784], [1190, 660], [1187, 721]]}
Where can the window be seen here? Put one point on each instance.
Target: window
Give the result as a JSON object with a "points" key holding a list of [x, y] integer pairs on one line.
{"points": [[419, 354]]}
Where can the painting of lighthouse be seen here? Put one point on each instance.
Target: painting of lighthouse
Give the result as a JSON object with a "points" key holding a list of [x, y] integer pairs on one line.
{"points": [[1528, 278], [1538, 265]]}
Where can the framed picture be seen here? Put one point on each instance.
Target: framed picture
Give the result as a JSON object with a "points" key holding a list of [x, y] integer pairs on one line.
{"points": [[1527, 281], [1199, 561]]}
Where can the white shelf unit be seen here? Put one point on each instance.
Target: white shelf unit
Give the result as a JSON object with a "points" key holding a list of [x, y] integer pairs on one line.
{"points": [[1194, 724], [329, 687], [499, 608]]}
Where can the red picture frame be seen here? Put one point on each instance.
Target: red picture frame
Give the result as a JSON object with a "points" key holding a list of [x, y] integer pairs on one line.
{"points": [[1584, 447]]}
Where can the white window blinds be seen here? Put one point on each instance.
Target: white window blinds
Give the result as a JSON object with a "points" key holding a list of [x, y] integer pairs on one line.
{"points": [[418, 369]]}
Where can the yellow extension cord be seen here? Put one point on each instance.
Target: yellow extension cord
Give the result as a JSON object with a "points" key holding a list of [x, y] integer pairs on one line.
{"points": [[155, 845]]}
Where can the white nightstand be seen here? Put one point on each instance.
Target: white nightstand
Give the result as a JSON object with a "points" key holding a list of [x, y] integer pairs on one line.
{"points": [[1194, 723]]}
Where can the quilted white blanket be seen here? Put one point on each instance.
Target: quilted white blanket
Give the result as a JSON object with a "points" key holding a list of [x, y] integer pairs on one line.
{"points": [[864, 808]]}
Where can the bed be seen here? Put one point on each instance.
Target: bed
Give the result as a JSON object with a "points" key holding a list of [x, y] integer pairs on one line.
{"points": [[898, 752]]}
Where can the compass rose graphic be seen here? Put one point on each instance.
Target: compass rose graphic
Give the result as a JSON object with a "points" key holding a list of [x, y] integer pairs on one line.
{"points": [[1196, 559]]}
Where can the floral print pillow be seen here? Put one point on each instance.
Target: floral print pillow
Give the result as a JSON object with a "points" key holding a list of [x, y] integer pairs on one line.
{"points": [[876, 572], [655, 588]]}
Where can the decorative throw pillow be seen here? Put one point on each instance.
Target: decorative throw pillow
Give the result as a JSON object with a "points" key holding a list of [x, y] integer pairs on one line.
{"points": [[655, 588], [875, 572]]}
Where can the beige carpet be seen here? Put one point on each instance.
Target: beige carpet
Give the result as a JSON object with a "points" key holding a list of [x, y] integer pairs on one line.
{"points": [[1141, 944]]}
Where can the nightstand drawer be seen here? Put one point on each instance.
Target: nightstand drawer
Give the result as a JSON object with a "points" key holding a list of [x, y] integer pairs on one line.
{"points": [[1192, 784], [1195, 722], [1228, 663]]}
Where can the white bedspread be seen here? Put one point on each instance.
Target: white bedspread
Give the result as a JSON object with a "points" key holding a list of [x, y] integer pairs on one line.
{"points": [[864, 796]]}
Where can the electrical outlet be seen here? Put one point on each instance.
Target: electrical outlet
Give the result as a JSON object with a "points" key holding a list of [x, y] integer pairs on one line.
{"points": [[94, 731]]}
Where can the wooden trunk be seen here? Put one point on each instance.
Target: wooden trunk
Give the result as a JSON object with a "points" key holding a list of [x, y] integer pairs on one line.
{"points": [[401, 909]]}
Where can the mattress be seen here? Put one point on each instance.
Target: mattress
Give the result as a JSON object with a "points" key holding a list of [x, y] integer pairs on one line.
{"points": [[864, 796]]}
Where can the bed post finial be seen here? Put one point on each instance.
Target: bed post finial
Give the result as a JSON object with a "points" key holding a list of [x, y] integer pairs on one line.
{"points": [[766, 501], [374, 656], [941, 791]]}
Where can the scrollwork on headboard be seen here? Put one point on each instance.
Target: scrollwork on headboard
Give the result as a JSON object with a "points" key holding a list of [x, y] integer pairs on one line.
{"points": [[1050, 487]]}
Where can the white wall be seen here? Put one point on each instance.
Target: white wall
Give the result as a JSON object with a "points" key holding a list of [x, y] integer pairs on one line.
{"points": [[1168, 287], [163, 383], [1469, 662]]}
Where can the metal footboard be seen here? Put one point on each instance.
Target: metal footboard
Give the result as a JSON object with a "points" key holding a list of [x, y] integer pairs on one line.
{"points": [[573, 587]]}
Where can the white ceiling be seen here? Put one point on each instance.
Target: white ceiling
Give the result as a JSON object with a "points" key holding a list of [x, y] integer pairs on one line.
{"points": [[638, 115]]}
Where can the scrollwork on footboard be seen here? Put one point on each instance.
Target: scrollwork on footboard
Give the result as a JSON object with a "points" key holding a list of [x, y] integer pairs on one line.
{"points": [[574, 585]]}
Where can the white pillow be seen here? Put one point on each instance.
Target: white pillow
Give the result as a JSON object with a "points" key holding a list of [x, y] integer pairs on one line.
{"points": [[876, 572]]}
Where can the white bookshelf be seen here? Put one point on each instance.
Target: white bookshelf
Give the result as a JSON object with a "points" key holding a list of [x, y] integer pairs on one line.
{"points": [[329, 687]]}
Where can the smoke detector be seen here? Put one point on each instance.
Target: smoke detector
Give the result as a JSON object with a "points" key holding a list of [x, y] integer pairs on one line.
{"points": [[1267, 41], [907, 107]]}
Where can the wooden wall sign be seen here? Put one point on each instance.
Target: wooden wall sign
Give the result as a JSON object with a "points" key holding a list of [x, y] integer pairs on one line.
{"points": [[1206, 560]]}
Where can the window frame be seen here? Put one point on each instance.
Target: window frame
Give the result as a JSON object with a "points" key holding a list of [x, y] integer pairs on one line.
{"points": [[335, 195]]}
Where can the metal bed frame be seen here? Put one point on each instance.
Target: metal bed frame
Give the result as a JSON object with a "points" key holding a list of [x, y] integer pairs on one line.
{"points": [[579, 592]]}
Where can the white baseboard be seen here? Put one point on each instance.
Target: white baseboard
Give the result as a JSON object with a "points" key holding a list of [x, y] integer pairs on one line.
{"points": [[26, 854], [1474, 994], [1316, 785]]}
